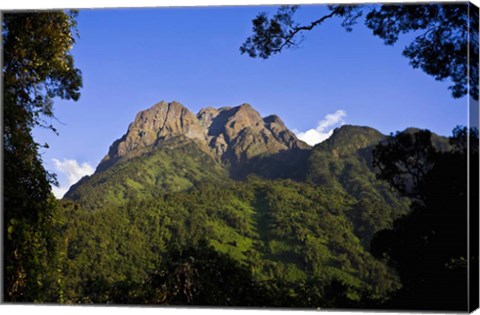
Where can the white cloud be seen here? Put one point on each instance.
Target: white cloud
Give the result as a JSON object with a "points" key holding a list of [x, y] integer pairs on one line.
{"points": [[72, 171], [59, 192], [324, 128]]}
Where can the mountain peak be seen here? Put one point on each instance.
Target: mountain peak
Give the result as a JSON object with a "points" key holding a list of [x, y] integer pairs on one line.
{"points": [[245, 105], [206, 116], [272, 119], [157, 124], [231, 134], [348, 139], [349, 129]]}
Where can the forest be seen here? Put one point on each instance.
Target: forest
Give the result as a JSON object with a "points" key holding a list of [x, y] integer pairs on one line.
{"points": [[360, 221]]}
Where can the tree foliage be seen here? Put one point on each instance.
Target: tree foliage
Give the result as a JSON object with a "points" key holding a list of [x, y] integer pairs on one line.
{"points": [[303, 243], [445, 44], [38, 67], [271, 228], [404, 160], [428, 247]]}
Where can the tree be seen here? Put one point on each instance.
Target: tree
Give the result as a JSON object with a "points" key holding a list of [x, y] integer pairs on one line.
{"points": [[38, 67], [404, 160], [428, 247], [199, 275], [445, 46]]}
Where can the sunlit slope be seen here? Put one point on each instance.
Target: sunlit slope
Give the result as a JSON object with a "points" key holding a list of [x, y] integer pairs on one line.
{"points": [[171, 167], [344, 161], [281, 229], [289, 213]]}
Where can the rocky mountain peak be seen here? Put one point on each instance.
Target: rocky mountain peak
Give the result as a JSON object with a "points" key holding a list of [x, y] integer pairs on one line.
{"points": [[161, 122], [273, 119], [206, 116], [151, 127], [242, 117], [229, 133]]}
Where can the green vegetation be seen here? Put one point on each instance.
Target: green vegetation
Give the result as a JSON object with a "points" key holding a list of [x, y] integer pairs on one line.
{"points": [[361, 220], [37, 67], [167, 169], [428, 247], [345, 161], [120, 226], [280, 230], [286, 242]]}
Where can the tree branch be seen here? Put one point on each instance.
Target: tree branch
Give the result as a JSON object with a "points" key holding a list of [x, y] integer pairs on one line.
{"points": [[288, 39]]}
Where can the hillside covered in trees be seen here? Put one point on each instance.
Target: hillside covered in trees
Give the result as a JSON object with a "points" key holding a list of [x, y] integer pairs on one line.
{"points": [[295, 220], [228, 208]]}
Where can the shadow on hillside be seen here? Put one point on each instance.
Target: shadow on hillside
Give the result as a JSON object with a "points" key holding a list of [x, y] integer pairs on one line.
{"points": [[220, 121], [290, 164]]}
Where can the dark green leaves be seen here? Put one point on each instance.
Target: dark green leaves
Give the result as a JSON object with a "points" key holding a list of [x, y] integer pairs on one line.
{"points": [[37, 68], [428, 247], [444, 39], [404, 160], [271, 36]]}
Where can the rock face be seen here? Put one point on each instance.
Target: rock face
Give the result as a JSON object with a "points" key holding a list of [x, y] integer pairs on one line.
{"points": [[152, 127], [230, 134], [240, 133]]}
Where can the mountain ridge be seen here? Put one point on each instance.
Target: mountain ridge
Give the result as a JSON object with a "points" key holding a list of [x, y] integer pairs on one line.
{"points": [[230, 134], [238, 140], [246, 185]]}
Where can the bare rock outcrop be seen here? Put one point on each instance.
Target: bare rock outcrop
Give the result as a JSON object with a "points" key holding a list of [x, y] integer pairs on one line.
{"points": [[152, 127], [230, 134]]}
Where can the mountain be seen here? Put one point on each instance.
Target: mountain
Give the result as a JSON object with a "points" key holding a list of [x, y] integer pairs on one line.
{"points": [[178, 164], [288, 213], [347, 140], [168, 148], [230, 134], [153, 127], [345, 161]]}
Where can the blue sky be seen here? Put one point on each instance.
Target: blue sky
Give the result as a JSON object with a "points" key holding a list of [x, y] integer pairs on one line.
{"points": [[134, 58]]}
